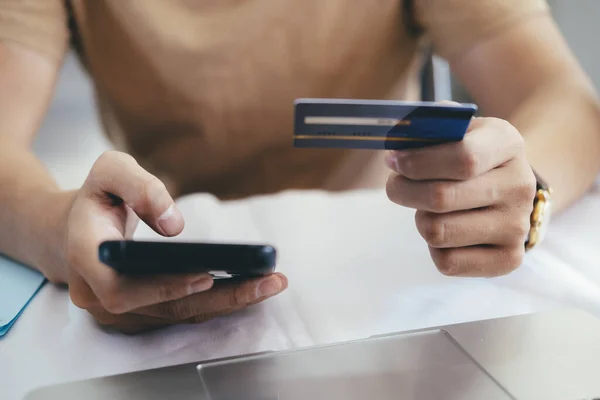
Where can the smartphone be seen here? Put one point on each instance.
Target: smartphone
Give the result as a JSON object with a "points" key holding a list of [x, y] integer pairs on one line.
{"points": [[131, 257]]}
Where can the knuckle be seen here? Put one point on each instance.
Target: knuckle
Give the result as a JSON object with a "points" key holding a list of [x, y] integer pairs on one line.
{"points": [[525, 191], [506, 128], [510, 134], [150, 189], [98, 173], [502, 125], [113, 305], [391, 189], [114, 155], [112, 300], [106, 158], [238, 296], [448, 263], [433, 229], [514, 139], [469, 163], [441, 196], [80, 298], [521, 229], [104, 319], [513, 258]]}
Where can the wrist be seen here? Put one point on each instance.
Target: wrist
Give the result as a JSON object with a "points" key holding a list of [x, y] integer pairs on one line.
{"points": [[44, 249], [54, 267]]}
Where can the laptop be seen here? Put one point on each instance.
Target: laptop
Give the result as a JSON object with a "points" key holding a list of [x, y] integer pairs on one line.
{"points": [[550, 356]]}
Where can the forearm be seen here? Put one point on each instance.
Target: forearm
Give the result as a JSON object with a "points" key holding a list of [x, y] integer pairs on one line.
{"points": [[32, 210], [560, 123]]}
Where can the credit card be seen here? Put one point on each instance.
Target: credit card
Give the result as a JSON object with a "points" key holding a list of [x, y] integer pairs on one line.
{"points": [[378, 124]]}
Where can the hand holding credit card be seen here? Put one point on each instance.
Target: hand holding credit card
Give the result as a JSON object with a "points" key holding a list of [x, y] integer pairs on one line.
{"points": [[468, 178], [378, 124]]}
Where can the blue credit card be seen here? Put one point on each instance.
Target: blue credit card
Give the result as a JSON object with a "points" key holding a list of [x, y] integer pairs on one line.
{"points": [[378, 124]]}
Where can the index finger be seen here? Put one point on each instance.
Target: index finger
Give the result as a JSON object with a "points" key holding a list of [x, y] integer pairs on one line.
{"points": [[120, 176], [488, 143]]}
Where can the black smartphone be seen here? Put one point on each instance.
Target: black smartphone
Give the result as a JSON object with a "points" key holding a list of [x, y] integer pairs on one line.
{"points": [[132, 257]]}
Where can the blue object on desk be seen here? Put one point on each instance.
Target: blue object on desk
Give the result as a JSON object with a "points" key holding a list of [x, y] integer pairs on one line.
{"points": [[18, 285]]}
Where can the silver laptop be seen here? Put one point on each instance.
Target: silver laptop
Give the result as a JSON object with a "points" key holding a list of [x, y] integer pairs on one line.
{"points": [[544, 356]]}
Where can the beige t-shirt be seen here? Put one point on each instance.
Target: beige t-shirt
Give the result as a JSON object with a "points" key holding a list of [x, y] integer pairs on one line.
{"points": [[201, 92]]}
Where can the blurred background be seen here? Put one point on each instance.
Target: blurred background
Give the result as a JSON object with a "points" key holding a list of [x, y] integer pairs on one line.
{"points": [[71, 139]]}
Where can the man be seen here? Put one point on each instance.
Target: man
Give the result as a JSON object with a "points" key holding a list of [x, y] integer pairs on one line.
{"points": [[199, 94]]}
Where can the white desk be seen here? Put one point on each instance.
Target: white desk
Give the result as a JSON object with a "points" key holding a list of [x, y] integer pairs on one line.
{"points": [[356, 265]]}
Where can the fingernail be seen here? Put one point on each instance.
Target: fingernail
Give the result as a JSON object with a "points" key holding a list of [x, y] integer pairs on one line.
{"points": [[170, 221], [201, 285], [450, 103], [269, 287], [391, 160]]}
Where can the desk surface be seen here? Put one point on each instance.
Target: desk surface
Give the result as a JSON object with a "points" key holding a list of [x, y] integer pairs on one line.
{"points": [[367, 272]]}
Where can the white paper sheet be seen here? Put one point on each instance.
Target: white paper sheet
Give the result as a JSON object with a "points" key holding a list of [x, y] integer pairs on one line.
{"points": [[357, 267]]}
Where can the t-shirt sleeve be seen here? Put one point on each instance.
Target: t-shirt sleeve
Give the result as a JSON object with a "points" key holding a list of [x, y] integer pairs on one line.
{"points": [[454, 26], [38, 24]]}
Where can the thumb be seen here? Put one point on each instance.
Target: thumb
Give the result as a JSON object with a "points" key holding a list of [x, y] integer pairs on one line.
{"points": [[448, 103], [475, 121], [117, 174]]}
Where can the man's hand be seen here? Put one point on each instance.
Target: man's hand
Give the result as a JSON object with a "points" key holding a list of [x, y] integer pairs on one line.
{"points": [[473, 198], [116, 193]]}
